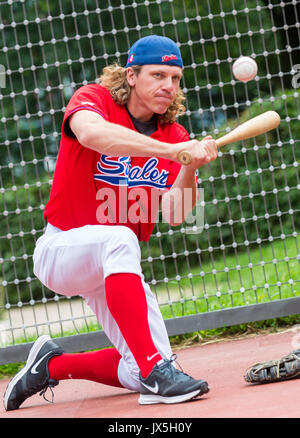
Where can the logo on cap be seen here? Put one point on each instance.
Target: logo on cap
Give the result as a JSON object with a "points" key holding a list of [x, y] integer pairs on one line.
{"points": [[167, 58], [131, 57]]}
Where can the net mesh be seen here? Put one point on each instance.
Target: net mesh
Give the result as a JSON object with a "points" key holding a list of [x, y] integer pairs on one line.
{"points": [[248, 251]]}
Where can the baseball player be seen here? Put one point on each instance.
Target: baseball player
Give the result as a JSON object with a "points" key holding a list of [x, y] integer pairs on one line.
{"points": [[116, 165]]}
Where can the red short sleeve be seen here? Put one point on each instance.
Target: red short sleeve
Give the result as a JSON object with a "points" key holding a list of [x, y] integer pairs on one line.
{"points": [[88, 97]]}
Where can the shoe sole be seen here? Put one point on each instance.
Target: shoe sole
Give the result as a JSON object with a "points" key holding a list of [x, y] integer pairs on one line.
{"points": [[150, 399], [31, 358]]}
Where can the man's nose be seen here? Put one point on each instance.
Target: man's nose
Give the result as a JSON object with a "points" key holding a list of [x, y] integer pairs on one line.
{"points": [[168, 84]]}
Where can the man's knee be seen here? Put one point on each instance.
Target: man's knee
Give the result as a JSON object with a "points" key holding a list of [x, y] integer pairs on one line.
{"points": [[125, 241], [123, 254]]}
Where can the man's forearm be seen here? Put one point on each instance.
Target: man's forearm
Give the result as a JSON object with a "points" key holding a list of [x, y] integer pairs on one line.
{"points": [[115, 140], [107, 138]]}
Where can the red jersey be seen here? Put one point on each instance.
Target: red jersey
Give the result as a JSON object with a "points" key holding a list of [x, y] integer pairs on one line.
{"points": [[90, 188]]}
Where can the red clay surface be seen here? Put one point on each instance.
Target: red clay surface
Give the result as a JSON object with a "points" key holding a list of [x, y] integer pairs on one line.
{"points": [[222, 364]]}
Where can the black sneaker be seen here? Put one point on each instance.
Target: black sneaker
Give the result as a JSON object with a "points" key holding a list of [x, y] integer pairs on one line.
{"points": [[34, 376], [166, 384]]}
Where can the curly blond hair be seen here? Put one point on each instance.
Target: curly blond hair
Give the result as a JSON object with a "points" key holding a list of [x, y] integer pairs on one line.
{"points": [[114, 79]]}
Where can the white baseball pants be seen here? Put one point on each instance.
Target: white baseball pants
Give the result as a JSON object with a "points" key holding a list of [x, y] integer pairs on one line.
{"points": [[77, 261]]}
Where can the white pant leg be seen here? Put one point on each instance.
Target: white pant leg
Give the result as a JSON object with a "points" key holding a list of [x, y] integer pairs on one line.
{"points": [[76, 262]]}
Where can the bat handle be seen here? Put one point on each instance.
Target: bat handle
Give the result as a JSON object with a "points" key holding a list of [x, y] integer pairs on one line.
{"points": [[184, 157]]}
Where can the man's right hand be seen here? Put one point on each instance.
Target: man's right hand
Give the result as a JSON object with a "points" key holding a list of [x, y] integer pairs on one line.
{"points": [[202, 152]]}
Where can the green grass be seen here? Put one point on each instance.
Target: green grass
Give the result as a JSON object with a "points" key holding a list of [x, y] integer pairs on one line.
{"points": [[260, 274]]}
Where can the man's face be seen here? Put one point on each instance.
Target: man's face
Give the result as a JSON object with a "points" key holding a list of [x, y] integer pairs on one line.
{"points": [[153, 89]]}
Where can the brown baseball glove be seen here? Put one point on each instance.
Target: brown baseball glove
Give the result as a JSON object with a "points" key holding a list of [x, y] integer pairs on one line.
{"points": [[287, 367]]}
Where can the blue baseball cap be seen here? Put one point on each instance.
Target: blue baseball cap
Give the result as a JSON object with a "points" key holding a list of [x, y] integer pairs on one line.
{"points": [[154, 49]]}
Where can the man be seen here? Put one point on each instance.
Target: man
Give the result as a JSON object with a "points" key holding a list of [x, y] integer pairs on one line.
{"points": [[116, 164]]}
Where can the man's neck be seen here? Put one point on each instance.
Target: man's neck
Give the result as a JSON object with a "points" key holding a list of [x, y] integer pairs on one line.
{"points": [[145, 127], [141, 114]]}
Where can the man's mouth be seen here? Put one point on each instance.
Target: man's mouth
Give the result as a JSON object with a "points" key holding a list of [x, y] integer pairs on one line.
{"points": [[164, 97]]}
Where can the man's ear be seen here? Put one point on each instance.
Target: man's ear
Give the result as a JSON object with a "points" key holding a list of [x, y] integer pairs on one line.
{"points": [[130, 76]]}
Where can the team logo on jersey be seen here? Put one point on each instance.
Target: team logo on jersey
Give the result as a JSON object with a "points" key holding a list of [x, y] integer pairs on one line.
{"points": [[118, 171], [88, 103]]}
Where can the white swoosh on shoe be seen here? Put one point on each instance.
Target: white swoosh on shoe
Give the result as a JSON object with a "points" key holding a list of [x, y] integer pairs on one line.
{"points": [[33, 369], [152, 388]]}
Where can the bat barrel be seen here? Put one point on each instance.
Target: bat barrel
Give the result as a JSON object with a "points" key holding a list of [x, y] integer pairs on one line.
{"points": [[251, 128]]}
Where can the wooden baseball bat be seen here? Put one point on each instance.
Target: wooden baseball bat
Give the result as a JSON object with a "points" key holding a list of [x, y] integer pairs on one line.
{"points": [[251, 128]]}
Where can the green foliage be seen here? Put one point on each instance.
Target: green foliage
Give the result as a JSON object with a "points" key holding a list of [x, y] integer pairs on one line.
{"points": [[10, 370], [23, 214]]}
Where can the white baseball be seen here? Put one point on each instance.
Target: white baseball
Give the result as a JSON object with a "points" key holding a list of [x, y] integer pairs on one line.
{"points": [[244, 69]]}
